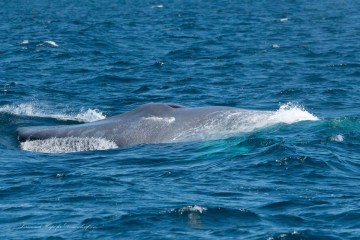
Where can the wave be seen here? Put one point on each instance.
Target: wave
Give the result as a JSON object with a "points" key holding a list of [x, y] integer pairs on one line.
{"points": [[199, 216], [304, 234], [188, 209], [212, 211], [32, 110], [68, 144]]}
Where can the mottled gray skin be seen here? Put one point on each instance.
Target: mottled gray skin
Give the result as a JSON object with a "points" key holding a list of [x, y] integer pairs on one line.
{"points": [[147, 124]]}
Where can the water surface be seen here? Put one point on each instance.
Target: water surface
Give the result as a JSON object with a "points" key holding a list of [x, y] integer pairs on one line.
{"points": [[66, 62]]}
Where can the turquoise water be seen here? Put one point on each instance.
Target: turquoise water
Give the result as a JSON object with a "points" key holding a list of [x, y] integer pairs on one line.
{"points": [[70, 62]]}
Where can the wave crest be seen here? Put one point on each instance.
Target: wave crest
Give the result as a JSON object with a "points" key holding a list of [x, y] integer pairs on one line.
{"points": [[32, 110]]}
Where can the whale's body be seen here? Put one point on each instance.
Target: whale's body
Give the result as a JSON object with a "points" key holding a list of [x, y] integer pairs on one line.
{"points": [[147, 124]]}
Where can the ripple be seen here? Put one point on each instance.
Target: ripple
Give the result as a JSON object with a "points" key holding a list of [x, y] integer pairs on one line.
{"points": [[302, 235]]}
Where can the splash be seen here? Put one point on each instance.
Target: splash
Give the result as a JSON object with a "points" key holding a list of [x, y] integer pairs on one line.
{"points": [[194, 208], [90, 115], [32, 110], [337, 138], [291, 113], [24, 42], [157, 6], [51, 43], [189, 209], [224, 124], [68, 144]]}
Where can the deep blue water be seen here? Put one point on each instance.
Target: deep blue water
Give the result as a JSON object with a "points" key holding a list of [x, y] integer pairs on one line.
{"points": [[66, 62]]}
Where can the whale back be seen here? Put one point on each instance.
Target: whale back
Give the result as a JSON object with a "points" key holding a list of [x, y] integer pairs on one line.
{"points": [[117, 128], [151, 109]]}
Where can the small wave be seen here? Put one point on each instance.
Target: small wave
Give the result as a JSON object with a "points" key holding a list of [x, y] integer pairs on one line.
{"points": [[197, 216], [10, 206], [157, 6], [52, 43], [337, 138], [68, 144], [304, 234], [189, 209], [283, 20], [212, 211], [23, 109], [32, 110], [285, 236], [345, 124], [24, 42]]}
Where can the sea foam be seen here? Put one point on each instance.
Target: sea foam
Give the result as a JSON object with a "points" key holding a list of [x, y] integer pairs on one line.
{"points": [[291, 113], [224, 124], [33, 110], [52, 43]]}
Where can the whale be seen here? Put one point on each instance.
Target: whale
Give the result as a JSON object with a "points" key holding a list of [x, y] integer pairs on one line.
{"points": [[155, 123], [148, 124]]}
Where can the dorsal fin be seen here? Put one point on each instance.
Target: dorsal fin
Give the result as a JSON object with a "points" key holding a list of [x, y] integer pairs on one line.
{"points": [[174, 105], [151, 109]]}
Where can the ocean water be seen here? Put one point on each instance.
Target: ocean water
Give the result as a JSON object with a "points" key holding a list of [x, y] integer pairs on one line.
{"points": [[292, 173]]}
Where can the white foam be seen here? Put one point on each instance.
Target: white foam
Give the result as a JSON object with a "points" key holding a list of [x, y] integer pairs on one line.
{"points": [[227, 123], [291, 113], [195, 208], [52, 43], [284, 19], [33, 110], [187, 209], [89, 115], [337, 138], [275, 45], [68, 144], [23, 109], [157, 6], [24, 42]]}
